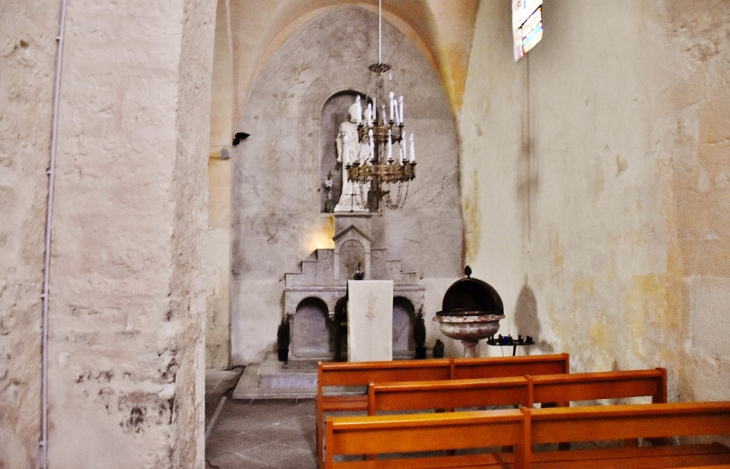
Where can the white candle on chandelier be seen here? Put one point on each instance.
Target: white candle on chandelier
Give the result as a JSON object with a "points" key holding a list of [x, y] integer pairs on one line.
{"points": [[358, 108], [383, 116], [369, 115], [400, 111], [392, 105], [390, 147], [372, 144], [401, 150], [375, 110], [413, 152]]}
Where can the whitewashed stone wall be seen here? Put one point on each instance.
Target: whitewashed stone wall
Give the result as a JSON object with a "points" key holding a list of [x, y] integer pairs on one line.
{"points": [[595, 184], [127, 302], [27, 61], [277, 170]]}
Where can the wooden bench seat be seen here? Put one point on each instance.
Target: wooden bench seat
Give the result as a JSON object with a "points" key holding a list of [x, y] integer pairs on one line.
{"points": [[447, 395], [629, 458], [331, 377]]}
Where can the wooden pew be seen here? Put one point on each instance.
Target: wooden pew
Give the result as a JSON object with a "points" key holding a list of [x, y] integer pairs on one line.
{"points": [[598, 423], [601, 385], [526, 391], [362, 373], [384, 434], [392, 434]]}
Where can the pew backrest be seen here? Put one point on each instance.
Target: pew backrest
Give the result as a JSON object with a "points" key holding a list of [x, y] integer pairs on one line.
{"points": [[371, 435], [593, 423], [627, 422], [601, 385], [525, 391], [422, 395], [501, 367], [403, 434]]}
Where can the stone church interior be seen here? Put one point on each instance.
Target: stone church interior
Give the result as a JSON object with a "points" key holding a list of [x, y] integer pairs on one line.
{"points": [[453, 192]]}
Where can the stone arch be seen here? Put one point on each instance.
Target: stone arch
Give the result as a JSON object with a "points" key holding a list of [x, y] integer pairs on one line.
{"points": [[333, 113], [313, 331], [276, 175], [341, 329], [403, 319]]}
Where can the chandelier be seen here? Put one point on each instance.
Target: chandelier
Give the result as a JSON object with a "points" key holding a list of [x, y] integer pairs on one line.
{"points": [[385, 162]]}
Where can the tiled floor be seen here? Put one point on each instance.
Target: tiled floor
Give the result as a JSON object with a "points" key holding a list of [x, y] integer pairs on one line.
{"points": [[263, 434]]}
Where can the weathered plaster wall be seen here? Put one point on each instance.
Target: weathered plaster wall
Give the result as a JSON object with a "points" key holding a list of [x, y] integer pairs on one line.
{"points": [[126, 362], [277, 170], [595, 185], [218, 255], [28, 32]]}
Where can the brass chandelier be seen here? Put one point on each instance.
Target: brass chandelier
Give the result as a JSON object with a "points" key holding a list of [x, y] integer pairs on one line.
{"points": [[385, 163]]}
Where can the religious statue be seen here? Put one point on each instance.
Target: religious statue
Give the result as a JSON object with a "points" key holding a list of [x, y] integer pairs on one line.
{"points": [[349, 150]]}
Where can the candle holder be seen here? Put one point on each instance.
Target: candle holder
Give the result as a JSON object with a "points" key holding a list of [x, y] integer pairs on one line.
{"points": [[385, 163]]}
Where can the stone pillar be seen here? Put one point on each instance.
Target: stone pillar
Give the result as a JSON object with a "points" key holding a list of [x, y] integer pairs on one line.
{"points": [[218, 257], [126, 363]]}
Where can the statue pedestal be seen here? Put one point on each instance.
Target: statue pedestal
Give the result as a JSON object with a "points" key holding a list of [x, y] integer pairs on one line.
{"points": [[362, 221], [370, 320]]}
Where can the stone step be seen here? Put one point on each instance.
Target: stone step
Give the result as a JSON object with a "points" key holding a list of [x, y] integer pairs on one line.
{"points": [[272, 379], [250, 386]]}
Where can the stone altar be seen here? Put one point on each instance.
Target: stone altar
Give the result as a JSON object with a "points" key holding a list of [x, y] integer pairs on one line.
{"points": [[313, 295]]}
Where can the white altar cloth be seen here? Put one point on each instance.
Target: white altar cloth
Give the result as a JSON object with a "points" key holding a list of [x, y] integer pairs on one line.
{"points": [[370, 320]]}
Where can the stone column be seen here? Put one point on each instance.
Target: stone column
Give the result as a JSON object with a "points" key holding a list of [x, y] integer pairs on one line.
{"points": [[222, 156], [126, 377]]}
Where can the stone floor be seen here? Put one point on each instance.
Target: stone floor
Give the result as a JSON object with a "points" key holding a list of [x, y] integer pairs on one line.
{"points": [[256, 434], [218, 383], [263, 434]]}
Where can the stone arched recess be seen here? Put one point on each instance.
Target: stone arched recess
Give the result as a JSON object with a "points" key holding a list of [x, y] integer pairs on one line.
{"points": [[276, 177], [313, 331], [404, 315]]}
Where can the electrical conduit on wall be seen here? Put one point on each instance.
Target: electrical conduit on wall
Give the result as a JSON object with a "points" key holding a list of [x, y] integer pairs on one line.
{"points": [[43, 445]]}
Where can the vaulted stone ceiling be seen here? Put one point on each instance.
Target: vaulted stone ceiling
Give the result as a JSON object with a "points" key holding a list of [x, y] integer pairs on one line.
{"points": [[441, 29]]}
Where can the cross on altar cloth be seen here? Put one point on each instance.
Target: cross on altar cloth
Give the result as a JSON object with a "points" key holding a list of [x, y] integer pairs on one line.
{"points": [[370, 320]]}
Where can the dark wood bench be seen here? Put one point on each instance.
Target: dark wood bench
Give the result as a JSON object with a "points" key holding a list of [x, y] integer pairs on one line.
{"points": [[335, 376], [528, 390]]}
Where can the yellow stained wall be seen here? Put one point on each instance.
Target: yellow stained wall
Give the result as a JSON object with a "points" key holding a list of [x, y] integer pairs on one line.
{"points": [[595, 184], [218, 246]]}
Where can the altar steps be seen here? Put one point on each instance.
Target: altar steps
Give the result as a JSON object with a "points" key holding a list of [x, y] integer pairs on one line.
{"points": [[318, 269], [272, 379]]}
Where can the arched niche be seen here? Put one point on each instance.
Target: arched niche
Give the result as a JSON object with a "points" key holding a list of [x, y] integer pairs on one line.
{"points": [[334, 113], [403, 319], [277, 180], [341, 330], [313, 331]]}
